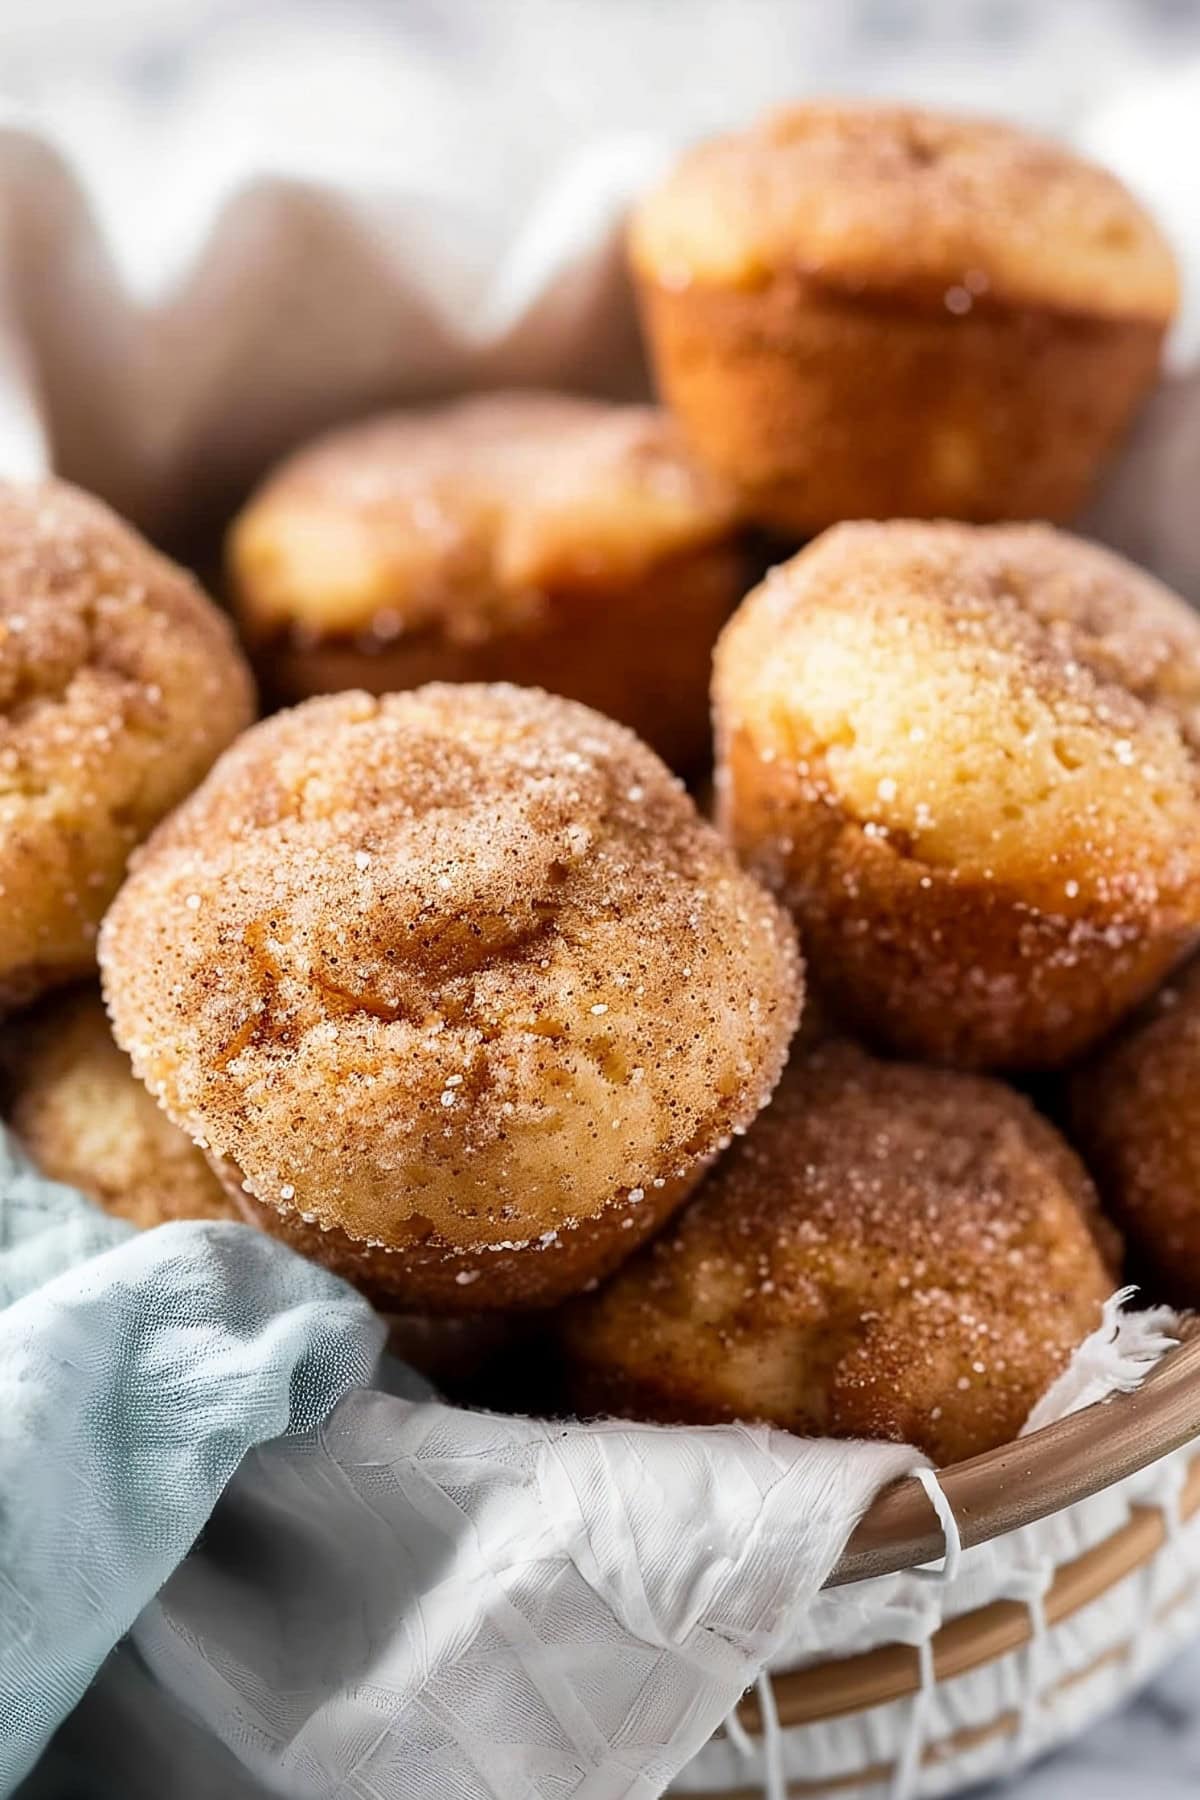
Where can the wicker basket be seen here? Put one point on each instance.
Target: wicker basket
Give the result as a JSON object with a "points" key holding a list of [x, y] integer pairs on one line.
{"points": [[1081, 1573]]}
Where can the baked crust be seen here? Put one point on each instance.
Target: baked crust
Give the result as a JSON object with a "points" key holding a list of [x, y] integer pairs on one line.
{"points": [[1135, 1114], [871, 197], [643, 655], [456, 973], [119, 685], [86, 1120], [892, 1252], [871, 311], [968, 759], [450, 1279], [823, 404]]}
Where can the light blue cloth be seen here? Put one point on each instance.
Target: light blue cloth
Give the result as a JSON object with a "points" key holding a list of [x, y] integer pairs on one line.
{"points": [[136, 1371], [391, 1599]]}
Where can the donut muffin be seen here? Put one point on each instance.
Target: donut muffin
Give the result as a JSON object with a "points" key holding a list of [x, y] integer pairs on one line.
{"points": [[1135, 1114], [86, 1120], [968, 758], [892, 1252], [556, 542], [119, 685], [456, 985], [863, 310]]}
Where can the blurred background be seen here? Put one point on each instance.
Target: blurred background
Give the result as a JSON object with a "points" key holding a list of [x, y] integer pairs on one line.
{"points": [[313, 204], [485, 93], [595, 62]]}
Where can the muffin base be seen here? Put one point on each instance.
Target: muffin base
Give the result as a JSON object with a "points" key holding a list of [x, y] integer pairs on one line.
{"points": [[822, 403], [925, 962], [641, 652], [431, 1275]]}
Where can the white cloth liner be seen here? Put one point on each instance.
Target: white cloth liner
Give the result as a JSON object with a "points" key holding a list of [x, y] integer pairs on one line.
{"points": [[587, 1602]]}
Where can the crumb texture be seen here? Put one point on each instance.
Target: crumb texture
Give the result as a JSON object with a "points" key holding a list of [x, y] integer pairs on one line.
{"points": [[451, 971], [892, 1252], [958, 212], [119, 685], [86, 1120]]}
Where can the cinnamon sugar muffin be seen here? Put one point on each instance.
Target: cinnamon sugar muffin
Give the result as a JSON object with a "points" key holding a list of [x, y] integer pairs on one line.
{"points": [[969, 758], [83, 1116], [892, 1252], [1135, 1114], [86, 1120], [119, 685], [459, 1353], [456, 985], [556, 542], [866, 310]]}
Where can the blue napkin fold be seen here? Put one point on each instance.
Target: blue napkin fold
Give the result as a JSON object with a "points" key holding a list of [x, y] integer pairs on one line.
{"points": [[136, 1371]]}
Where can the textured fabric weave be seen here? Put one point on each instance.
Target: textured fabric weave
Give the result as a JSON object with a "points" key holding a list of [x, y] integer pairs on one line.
{"points": [[394, 1597], [135, 1373]]}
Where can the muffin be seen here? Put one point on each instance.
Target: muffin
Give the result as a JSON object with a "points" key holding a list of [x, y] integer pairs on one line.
{"points": [[555, 542], [892, 1252], [967, 756], [870, 311], [119, 685], [457, 987], [1135, 1114], [85, 1119]]}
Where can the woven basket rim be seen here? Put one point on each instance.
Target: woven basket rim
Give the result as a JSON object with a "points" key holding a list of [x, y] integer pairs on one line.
{"points": [[1019, 1483]]}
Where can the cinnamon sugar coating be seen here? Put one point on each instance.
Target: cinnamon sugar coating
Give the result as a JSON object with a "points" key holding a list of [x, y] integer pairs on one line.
{"points": [[892, 1252], [969, 758], [457, 978], [894, 197], [870, 311], [1135, 1115], [540, 538], [119, 685], [86, 1119], [461, 1353]]}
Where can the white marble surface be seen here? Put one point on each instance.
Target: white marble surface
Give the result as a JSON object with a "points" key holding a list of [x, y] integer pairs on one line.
{"points": [[1149, 1751], [537, 77]]}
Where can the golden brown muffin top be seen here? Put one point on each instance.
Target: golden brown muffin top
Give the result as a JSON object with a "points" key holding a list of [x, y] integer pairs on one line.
{"points": [[892, 1251], [463, 959], [939, 208], [458, 517], [86, 1120], [1009, 703]]}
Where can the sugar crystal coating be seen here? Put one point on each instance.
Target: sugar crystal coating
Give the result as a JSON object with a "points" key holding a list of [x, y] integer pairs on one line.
{"points": [[119, 685], [894, 198], [1135, 1114], [872, 311], [459, 516], [891, 1252], [480, 1041]]}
